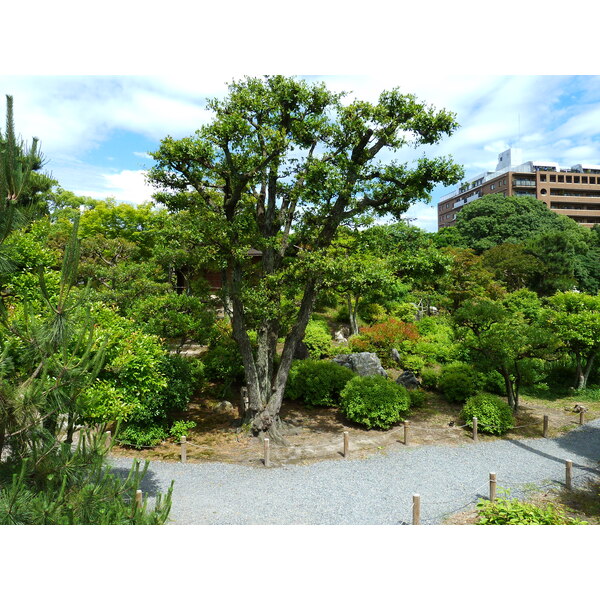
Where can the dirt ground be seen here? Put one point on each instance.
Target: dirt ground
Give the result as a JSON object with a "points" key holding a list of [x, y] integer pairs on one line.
{"points": [[217, 437]]}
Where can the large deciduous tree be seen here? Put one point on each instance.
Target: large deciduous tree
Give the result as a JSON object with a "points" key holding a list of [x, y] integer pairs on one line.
{"points": [[280, 167]]}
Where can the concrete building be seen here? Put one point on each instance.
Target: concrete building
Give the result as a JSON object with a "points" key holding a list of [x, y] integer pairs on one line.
{"points": [[574, 191]]}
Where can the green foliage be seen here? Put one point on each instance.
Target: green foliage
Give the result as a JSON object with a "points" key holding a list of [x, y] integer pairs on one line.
{"points": [[173, 316], [181, 428], [318, 339], [142, 436], [375, 402], [417, 398], [458, 381], [223, 362], [506, 511], [61, 486], [430, 377], [317, 382], [493, 414]]}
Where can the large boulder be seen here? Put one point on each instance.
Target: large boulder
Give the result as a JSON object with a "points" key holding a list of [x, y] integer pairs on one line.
{"points": [[362, 363]]}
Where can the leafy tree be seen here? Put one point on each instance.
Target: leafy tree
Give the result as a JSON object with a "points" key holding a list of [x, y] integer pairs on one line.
{"points": [[575, 319], [496, 219], [506, 336], [283, 161]]}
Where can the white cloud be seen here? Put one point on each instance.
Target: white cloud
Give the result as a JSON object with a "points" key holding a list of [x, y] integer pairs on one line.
{"points": [[125, 187]]}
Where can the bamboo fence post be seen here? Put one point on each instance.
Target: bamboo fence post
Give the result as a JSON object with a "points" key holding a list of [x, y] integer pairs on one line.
{"points": [[492, 487], [346, 444], [183, 448], [545, 430], [406, 433], [267, 453], [474, 429], [138, 499], [569, 474], [416, 509]]}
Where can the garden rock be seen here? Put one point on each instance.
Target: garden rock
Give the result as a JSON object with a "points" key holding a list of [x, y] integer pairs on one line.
{"points": [[341, 335], [362, 363], [409, 380], [224, 407]]}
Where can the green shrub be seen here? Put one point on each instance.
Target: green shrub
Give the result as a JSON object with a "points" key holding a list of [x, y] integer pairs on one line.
{"points": [[374, 401], [140, 436], [430, 377], [505, 511], [493, 413], [458, 381], [417, 398], [180, 428], [223, 362], [492, 382], [317, 382], [318, 339]]}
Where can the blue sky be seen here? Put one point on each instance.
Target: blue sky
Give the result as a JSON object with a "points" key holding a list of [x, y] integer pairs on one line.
{"points": [[96, 131]]}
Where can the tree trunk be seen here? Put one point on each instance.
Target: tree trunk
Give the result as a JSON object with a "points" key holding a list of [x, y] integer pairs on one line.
{"points": [[583, 372], [508, 385], [353, 315]]}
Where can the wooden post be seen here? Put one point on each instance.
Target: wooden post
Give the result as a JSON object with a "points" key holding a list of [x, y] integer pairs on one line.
{"points": [[569, 474], [581, 412], [183, 448], [474, 429], [267, 453], [406, 433], [345, 444], [416, 509], [244, 403], [493, 487], [138, 499], [545, 431]]}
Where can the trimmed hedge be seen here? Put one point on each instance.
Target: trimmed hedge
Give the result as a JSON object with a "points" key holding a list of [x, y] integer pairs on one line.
{"points": [[492, 412], [317, 382], [374, 401]]}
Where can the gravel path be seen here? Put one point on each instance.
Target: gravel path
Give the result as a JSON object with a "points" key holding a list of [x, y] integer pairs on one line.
{"points": [[372, 491]]}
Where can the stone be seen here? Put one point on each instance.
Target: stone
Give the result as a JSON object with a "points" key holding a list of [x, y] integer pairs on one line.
{"points": [[362, 363], [342, 335], [396, 355], [224, 407], [409, 380]]}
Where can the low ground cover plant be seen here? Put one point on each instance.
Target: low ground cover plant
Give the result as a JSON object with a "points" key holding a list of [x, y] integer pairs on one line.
{"points": [[375, 402], [506, 511]]}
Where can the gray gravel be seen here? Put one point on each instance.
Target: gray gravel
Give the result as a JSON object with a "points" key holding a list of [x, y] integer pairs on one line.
{"points": [[372, 491]]}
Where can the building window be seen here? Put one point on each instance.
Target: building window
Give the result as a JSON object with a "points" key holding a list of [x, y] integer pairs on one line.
{"points": [[576, 179], [553, 178], [542, 177], [584, 180], [569, 179], [592, 180], [543, 191], [493, 186]]}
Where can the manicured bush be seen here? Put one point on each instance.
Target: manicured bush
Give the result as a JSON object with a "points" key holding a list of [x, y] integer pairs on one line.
{"points": [[505, 511], [318, 339], [180, 428], [492, 412], [458, 381], [317, 382], [374, 401], [223, 362]]}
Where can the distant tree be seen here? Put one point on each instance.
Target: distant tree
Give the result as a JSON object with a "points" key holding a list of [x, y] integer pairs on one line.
{"points": [[496, 219]]}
